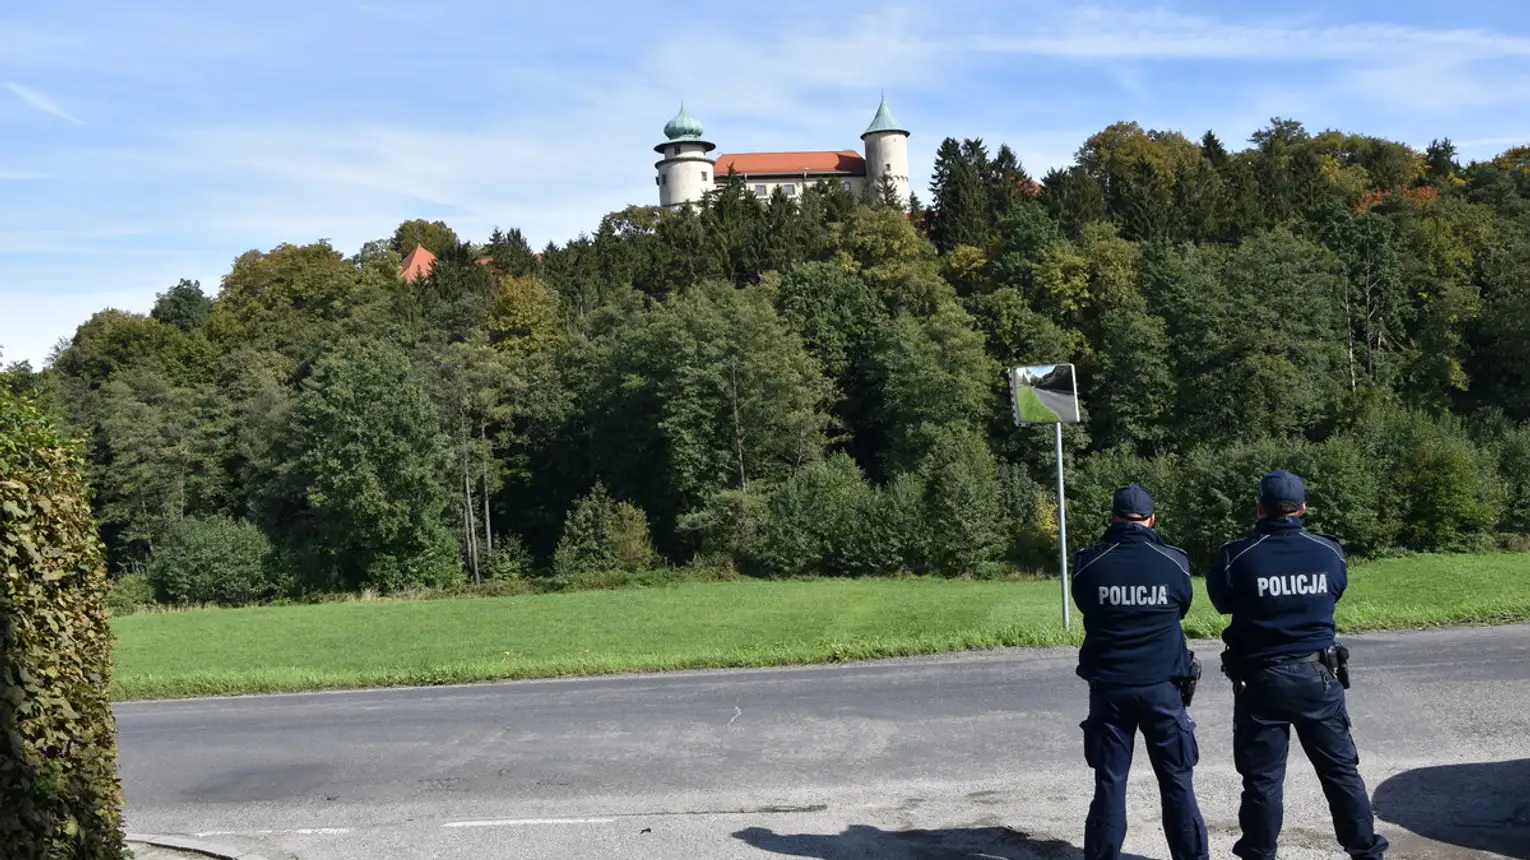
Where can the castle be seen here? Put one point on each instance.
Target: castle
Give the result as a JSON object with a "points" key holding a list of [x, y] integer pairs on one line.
{"points": [[687, 171]]}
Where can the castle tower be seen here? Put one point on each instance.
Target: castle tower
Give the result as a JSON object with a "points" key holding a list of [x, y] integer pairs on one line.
{"points": [[886, 152], [685, 171]]}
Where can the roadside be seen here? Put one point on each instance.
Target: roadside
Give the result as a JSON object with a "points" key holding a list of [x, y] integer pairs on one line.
{"points": [[744, 624]]}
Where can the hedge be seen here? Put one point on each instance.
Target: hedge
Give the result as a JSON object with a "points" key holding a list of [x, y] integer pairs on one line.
{"points": [[60, 794]]}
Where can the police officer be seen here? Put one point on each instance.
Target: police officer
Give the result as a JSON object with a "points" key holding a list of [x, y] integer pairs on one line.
{"points": [[1280, 585], [1133, 591]]}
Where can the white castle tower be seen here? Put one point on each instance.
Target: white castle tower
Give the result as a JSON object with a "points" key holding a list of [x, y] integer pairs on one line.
{"points": [[685, 171], [886, 151]]}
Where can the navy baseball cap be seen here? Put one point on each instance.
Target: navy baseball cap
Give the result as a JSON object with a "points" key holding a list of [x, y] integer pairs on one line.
{"points": [[1132, 499], [1282, 486]]}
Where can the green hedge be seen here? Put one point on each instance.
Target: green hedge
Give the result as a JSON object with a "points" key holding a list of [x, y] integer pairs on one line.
{"points": [[59, 791]]}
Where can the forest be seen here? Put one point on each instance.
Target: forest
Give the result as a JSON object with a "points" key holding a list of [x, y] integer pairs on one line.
{"points": [[814, 386]]}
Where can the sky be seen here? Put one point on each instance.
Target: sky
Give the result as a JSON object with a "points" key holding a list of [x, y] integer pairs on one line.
{"points": [[145, 142]]}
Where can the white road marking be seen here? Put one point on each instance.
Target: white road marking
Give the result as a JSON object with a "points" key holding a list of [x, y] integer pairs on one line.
{"points": [[302, 831], [526, 822]]}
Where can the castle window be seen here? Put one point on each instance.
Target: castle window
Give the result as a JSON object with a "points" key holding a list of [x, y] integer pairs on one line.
{"points": [[845, 185], [759, 191], [790, 189], [666, 179], [703, 176]]}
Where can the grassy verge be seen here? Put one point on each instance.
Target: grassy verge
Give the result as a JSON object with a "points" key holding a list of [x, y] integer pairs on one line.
{"points": [[702, 625], [1031, 407]]}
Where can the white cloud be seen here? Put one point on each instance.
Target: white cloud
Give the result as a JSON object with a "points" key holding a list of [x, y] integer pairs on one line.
{"points": [[41, 102]]}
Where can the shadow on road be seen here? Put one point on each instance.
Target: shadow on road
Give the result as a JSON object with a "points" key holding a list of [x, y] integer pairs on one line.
{"points": [[1484, 807], [862, 842]]}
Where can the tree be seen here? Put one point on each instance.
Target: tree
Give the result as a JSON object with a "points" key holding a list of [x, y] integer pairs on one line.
{"points": [[960, 210], [511, 253], [183, 306], [934, 375], [739, 398], [1375, 302], [166, 446], [360, 497], [1135, 381], [433, 236]]}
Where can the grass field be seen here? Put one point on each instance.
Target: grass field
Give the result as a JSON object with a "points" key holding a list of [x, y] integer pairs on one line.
{"points": [[721, 624], [1031, 407]]}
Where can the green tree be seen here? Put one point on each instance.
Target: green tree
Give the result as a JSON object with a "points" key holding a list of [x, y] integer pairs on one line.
{"points": [[433, 236], [602, 534], [934, 375], [183, 306], [213, 560], [1135, 384], [959, 504], [360, 496], [960, 208]]}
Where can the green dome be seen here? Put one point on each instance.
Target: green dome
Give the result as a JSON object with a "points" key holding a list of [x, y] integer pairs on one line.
{"points": [[683, 126], [883, 121]]}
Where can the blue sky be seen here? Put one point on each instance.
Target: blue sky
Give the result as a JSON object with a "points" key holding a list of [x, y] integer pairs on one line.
{"points": [[149, 141]]}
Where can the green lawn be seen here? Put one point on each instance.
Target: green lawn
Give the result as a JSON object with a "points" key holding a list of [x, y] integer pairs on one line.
{"points": [[1031, 407], [723, 624]]}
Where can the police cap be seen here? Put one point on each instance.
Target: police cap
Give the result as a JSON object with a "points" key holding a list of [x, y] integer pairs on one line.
{"points": [[1281, 486], [1131, 500]]}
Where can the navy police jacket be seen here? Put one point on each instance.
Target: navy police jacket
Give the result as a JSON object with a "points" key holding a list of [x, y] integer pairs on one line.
{"points": [[1280, 585], [1133, 590]]}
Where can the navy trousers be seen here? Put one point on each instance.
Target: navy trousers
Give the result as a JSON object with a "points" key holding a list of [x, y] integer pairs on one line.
{"points": [[1116, 714], [1308, 697]]}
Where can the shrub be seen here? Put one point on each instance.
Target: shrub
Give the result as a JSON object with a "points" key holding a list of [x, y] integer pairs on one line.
{"points": [[1448, 489], [1215, 497], [129, 593], [1514, 465], [827, 521], [1101, 474], [1345, 494], [958, 524], [60, 795], [602, 534], [511, 559], [213, 560], [729, 525]]}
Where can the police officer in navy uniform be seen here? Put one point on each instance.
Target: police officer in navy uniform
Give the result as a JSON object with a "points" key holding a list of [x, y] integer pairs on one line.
{"points": [[1280, 585], [1133, 591]]}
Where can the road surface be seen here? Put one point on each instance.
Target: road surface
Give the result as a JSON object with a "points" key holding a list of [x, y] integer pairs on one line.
{"points": [[1062, 404], [970, 755]]}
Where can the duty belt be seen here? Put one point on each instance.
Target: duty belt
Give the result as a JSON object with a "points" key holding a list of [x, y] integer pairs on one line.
{"points": [[1335, 659]]}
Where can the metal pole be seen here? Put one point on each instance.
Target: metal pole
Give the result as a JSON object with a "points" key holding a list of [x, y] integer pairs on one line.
{"points": [[1062, 526]]}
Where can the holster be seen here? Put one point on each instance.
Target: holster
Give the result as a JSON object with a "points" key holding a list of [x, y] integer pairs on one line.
{"points": [[1188, 683], [1233, 670], [1336, 660]]}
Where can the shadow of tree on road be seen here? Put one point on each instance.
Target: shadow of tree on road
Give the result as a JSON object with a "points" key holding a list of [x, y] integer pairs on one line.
{"points": [[863, 842], [1482, 806]]}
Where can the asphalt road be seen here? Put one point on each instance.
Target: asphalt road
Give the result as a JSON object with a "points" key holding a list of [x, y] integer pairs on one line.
{"points": [[965, 756], [1061, 404]]}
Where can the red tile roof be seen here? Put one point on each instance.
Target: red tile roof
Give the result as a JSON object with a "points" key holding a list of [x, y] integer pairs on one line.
{"points": [[844, 162], [417, 264], [420, 261]]}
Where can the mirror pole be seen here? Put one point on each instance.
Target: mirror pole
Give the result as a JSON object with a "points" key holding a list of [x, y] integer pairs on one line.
{"points": [[1062, 527]]}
